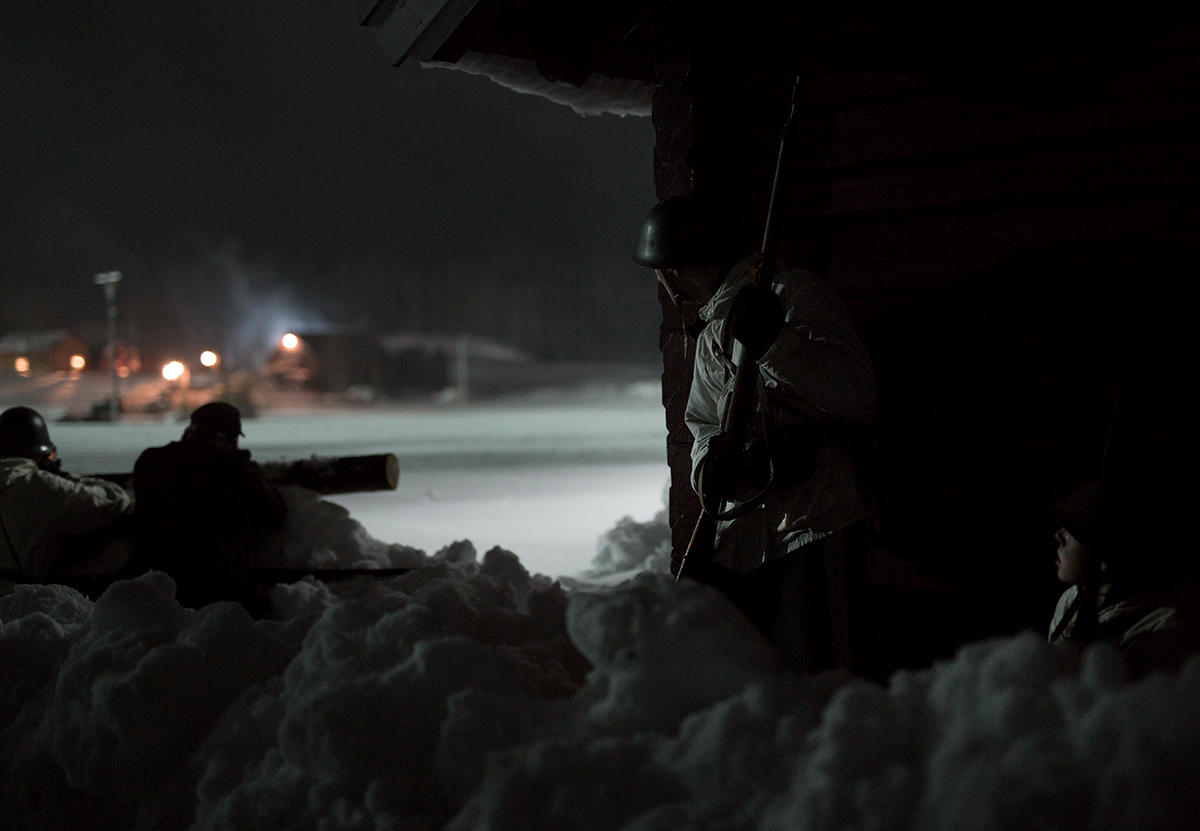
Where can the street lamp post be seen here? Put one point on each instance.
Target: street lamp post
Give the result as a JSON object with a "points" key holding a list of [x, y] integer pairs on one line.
{"points": [[109, 280]]}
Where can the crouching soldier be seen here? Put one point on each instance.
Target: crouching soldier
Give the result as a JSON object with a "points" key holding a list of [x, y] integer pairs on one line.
{"points": [[1130, 577], [204, 509], [51, 523]]}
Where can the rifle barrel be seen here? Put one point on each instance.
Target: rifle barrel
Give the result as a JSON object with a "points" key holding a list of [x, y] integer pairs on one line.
{"points": [[767, 250]]}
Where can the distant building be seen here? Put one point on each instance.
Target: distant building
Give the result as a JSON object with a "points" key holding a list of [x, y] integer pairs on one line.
{"points": [[466, 364], [414, 365], [47, 351], [396, 365]]}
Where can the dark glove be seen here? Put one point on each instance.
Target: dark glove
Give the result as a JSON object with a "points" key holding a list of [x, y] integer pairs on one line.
{"points": [[733, 473], [714, 467], [52, 464], [755, 319]]}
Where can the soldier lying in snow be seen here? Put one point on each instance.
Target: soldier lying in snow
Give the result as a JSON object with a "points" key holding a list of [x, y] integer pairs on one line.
{"points": [[51, 522], [203, 508], [208, 516]]}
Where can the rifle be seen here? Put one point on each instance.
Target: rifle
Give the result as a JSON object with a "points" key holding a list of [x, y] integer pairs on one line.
{"points": [[740, 403], [323, 474]]}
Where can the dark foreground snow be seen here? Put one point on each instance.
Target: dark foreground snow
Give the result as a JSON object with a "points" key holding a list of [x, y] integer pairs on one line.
{"points": [[469, 695]]}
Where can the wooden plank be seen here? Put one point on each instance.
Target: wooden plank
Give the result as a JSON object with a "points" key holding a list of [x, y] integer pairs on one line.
{"points": [[914, 253], [926, 122], [1162, 162]]}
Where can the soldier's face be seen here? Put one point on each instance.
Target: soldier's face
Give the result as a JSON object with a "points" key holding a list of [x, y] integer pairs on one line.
{"points": [[695, 283], [1073, 557]]}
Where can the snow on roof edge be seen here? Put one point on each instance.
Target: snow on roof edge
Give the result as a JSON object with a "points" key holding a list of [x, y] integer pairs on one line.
{"points": [[599, 95]]}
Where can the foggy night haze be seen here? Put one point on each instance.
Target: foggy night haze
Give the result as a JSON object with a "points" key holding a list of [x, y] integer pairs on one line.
{"points": [[252, 169]]}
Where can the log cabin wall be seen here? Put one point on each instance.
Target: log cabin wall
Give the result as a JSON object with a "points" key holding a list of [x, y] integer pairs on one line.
{"points": [[1017, 239]]}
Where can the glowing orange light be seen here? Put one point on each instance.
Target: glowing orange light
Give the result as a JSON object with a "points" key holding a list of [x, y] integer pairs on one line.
{"points": [[209, 358], [78, 362], [21, 365], [122, 371], [289, 342], [173, 371]]}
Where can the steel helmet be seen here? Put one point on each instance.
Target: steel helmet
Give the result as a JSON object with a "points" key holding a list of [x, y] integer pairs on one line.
{"points": [[680, 231], [1082, 512], [23, 432]]}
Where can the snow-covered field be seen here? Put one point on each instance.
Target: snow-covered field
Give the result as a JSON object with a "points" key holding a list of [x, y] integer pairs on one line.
{"points": [[470, 695]]}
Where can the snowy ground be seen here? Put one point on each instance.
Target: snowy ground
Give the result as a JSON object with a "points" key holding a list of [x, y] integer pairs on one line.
{"points": [[470, 695], [543, 476]]}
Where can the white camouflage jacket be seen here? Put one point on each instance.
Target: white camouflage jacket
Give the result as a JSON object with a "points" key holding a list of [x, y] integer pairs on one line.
{"points": [[38, 509], [817, 376], [1154, 630]]}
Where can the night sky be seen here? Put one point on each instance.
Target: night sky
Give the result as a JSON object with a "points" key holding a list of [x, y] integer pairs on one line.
{"points": [[256, 166]]}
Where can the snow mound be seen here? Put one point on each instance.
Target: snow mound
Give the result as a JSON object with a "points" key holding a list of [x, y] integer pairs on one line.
{"points": [[470, 694], [631, 547], [319, 533]]}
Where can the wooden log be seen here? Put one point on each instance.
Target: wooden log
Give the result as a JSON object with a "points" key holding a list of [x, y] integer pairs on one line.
{"points": [[337, 474], [323, 474]]}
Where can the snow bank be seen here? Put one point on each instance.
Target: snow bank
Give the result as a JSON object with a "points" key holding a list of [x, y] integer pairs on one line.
{"points": [[319, 533], [631, 547], [469, 695]]}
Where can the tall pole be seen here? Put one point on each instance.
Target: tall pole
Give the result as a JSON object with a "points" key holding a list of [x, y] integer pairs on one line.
{"points": [[109, 280], [462, 368]]}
